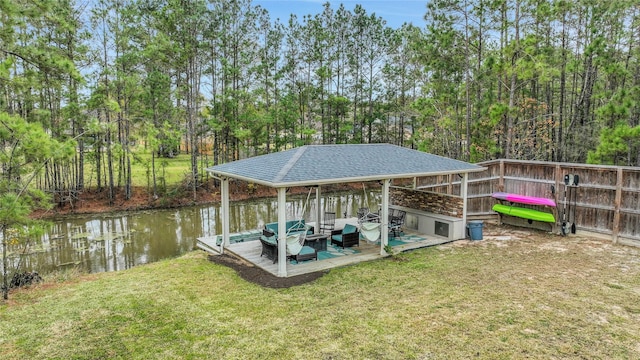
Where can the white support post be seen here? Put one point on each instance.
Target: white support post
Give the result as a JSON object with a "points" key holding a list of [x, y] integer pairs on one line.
{"points": [[463, 191], [224, 187], [282, 232], [384, 214], [318, 210]]}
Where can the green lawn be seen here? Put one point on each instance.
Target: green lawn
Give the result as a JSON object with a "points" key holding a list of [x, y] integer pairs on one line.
{"points": [[173, 169], [538, 297]]}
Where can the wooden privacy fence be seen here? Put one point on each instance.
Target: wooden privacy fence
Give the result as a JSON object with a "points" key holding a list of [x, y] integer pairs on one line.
{"points": [[607, 198]]}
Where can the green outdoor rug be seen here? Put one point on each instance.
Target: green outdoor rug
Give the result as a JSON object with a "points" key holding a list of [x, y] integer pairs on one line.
{"points": [[405, 239], [333, 251]]}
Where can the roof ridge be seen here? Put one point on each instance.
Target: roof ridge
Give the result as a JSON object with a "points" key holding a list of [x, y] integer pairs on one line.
{"points": [[294, 159]]}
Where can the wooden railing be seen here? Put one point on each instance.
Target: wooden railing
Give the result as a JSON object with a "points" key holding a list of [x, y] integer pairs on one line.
{"points": [[607, 197]]}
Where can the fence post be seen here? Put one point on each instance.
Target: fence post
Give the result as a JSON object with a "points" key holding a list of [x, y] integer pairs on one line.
{"points": [[501, 179], [617, 204], [558, 180]]}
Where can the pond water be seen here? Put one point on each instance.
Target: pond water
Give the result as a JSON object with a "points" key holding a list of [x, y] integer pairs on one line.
{"points": [[97, 243]]}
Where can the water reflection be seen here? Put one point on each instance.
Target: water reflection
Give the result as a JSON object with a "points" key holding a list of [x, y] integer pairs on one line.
{"points": [[114, 242]]}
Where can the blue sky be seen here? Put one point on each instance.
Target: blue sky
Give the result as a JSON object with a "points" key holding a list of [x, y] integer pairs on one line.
{"points": [[394, 12]]}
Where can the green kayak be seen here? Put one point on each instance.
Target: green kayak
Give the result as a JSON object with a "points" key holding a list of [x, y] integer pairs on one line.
{"points": [[530, 214]]}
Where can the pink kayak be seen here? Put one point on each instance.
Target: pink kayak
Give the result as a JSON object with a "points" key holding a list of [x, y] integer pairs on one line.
{"points": [[522, 199]]}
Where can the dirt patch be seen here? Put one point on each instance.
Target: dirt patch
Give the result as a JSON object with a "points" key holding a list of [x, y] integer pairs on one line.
{"points": [[256, 275]]}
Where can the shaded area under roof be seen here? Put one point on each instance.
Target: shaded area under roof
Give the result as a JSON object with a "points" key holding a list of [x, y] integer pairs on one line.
{"points": [[330, 164]]}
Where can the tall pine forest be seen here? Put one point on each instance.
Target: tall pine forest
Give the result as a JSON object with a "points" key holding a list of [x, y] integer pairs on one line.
{"points": [[138, 81]]}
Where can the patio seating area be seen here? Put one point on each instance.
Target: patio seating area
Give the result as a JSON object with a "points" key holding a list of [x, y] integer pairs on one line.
{"points": [[332, 256]]}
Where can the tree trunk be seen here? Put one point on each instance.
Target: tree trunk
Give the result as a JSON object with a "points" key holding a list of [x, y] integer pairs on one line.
{"points": [[512, 90]]}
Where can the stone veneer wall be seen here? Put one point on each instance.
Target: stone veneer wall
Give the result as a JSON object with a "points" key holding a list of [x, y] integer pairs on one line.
{"points": [[442, 204]]}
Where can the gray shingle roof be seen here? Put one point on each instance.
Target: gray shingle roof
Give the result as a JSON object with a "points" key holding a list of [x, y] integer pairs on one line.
{"points": [[325, 164]]}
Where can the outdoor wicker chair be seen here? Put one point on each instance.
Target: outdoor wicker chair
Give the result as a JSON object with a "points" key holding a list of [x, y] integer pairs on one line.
{"points": [[347, 237], [298, 251], [269, 245]]}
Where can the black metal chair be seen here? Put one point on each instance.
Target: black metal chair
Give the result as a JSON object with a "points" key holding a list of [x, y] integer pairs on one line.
{"points": [[396, 220], [365, 215], [362, 213], [328, 222]]}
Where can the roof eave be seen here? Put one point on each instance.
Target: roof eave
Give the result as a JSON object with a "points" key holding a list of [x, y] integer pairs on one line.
{"points": [[342, 180], [222, 174]]}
